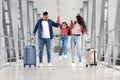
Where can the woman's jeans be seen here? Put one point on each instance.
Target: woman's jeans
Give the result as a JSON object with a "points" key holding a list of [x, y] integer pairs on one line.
{"points": [[63, 42], [75, 41]]}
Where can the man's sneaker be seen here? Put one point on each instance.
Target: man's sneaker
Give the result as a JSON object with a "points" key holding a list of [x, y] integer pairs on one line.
{"points": [[73, 65], [49, 65], [65, 56], [60, 58], [40, 65]]}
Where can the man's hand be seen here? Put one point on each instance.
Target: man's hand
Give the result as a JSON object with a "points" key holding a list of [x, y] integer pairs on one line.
{"points": [[33, 37]]}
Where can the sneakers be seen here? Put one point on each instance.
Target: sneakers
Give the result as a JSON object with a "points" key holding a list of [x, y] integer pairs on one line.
{"points": [[49, 65], [80, 64], [65, 56], [40, 65], [73, 64], [60, 58]]}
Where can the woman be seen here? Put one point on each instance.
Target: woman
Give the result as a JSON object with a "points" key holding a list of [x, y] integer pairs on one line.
{"points": [[78, 29]]}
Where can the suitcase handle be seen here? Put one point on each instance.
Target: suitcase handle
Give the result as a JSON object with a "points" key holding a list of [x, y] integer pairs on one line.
{"points": [[31, 42]]}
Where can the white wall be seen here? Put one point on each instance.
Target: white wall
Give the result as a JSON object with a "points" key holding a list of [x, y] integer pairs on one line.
{"points": [[98, 15], [67, 9], [2, 44], [14, 15]]}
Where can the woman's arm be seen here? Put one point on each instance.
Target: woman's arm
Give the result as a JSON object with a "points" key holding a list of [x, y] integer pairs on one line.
{"points": [[86, 37]]}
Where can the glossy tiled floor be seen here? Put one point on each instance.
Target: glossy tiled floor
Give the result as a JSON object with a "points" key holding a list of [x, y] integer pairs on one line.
{"points": [[61, 70]]}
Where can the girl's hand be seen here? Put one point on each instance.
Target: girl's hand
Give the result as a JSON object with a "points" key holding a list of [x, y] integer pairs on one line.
{"points": [[58, 16]]}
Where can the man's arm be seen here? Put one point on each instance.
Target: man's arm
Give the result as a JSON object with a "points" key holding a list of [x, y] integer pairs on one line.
{"points": [[35, 29], [55, 24]]}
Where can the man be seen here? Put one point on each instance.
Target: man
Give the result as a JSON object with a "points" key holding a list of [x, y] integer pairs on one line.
{"points": [[45, 34]]}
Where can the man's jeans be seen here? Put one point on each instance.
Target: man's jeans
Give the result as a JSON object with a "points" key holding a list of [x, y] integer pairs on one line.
{"points": [[47, 42]]}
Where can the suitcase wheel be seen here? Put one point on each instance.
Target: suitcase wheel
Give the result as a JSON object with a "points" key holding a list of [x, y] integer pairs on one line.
{"points": [[24, 65], [86, 65], [95, 64], [91, 64], [30, 66]]}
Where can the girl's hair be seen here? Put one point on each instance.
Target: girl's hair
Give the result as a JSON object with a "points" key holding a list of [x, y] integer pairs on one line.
{"points": [[82, 23], [69, 32], [65, 24]]}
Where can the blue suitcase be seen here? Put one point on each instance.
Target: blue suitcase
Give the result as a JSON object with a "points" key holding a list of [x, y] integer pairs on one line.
{"points": [[29, 55]]}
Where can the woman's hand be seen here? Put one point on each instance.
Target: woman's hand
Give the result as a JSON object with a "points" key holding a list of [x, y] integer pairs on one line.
{"points": [[58, 17], [87, 41]]}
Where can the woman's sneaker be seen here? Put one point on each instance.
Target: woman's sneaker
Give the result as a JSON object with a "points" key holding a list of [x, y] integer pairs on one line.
{"points": [[73, 64], [80, 64]]}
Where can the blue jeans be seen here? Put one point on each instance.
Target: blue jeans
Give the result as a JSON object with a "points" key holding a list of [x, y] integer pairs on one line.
{"points": [[47, 42], [63, 42], [75, 41]]}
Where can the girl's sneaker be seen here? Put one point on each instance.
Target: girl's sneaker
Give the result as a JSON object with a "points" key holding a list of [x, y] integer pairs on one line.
{"points": [[60, 58], [65, 56]]}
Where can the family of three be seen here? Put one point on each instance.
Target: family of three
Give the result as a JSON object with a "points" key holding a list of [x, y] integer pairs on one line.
{"points": [[45, 34]]}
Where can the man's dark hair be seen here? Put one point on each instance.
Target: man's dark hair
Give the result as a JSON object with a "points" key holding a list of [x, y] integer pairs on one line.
{"points": [[45, 13]]}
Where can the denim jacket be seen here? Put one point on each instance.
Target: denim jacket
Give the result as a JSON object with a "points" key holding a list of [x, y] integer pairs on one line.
{"points": [[39, 28]]}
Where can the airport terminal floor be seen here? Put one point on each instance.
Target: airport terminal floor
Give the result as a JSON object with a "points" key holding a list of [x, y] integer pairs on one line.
{"points": [[23, 21], [61, 70]]}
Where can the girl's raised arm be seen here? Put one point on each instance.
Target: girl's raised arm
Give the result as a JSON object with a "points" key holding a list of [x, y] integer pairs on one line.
{"points": [[59, 22]]}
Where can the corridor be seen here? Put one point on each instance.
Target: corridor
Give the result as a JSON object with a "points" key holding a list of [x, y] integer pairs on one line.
{"points": [[17, 22], [61, 70]]}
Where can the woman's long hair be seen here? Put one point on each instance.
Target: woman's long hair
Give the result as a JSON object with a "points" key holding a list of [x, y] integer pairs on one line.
{"points": [[82, 23]]}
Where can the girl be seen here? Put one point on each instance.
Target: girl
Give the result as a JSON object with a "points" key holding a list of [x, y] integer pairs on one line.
{"points": [[63, 40], [79, 28]]}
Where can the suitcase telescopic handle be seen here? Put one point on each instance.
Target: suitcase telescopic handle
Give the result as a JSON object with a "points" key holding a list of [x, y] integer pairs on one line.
{"points": [[88, 45], [32, 41]]}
